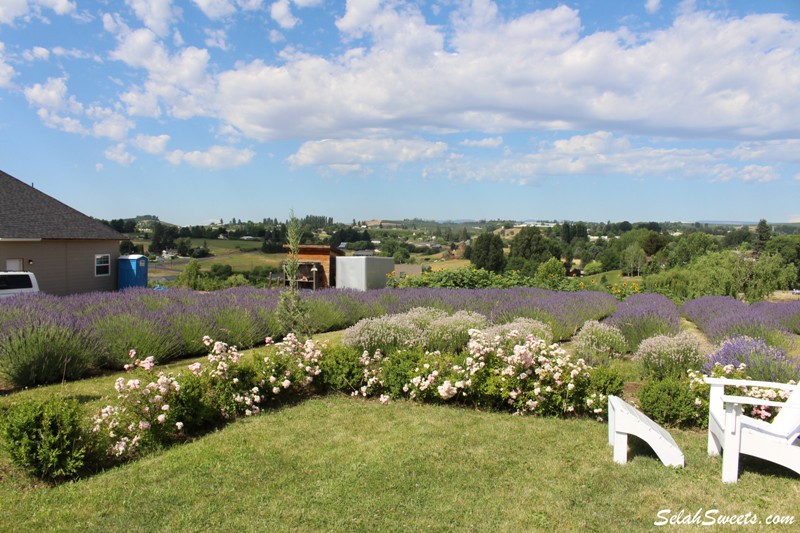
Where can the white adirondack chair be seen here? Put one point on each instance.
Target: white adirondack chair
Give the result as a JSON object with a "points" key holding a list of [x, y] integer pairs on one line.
{"points": [[736, 433], [624, 419]]}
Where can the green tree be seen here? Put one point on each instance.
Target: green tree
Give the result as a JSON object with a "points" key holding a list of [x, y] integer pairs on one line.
{"points": [[184, 246], [550, 273], [653, 243], [633, 260], [190, 277], [763, 235], [530, 244], [487, 252], [788, 247], [691, 246], [163, 238]]}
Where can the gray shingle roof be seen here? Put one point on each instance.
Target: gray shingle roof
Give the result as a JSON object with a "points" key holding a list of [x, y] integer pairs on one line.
{"points": [[26, 213]]}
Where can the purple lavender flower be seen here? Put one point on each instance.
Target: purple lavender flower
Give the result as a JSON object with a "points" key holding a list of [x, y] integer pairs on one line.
{"points": [[763, 362]]}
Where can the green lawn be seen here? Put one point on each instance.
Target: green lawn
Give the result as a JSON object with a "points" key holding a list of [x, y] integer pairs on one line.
{"points": [[336, 463]]}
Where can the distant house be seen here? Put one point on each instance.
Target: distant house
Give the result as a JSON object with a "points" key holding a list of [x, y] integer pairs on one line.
{"points": [[68, 251]]}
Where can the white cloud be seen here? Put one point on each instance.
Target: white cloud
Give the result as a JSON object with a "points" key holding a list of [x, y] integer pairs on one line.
{"points": [[652, 6], [249, 5], [7, 72], [151, 144], [13, 9], [59, 122], [37, 53], [52, 95], [216, 9], [275, 36], [758, 173], [216, 39], [355, 153], [215, 158], [119, 154], [536, 71], [358, 15], [488, 142], [601, 154], [109, 123], [179, 81], [156, 14], [141, 103], [281, 13], [787, 151]]}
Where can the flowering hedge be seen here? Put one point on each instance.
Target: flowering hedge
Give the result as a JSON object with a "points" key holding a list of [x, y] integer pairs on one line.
{"points": [[525, 375]]}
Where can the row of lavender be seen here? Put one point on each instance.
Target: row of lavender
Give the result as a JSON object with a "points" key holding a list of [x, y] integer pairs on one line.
{"points": [[46, 338], [642, 316], [721, 317]]}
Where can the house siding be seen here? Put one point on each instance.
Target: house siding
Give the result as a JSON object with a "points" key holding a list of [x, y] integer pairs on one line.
{"points": [[64, 266]]}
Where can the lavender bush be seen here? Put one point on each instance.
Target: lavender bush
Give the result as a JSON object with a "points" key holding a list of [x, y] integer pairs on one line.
{"points": [[451, 333], [520, 328], [599, 343], [762, 361], [382, 333], [664, 356], [42, 344], [645, 315]]}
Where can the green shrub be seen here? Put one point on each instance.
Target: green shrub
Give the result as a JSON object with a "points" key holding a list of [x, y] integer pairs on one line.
{"points": [[48, 439], [606, 381], [46, 353], [341, 369], [398, 368], [194, 407], [599, 343], [670, 401], [664, 356]]}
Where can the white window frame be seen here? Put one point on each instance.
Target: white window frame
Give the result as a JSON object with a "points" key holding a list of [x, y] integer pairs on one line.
{"points": [[99, 264]]}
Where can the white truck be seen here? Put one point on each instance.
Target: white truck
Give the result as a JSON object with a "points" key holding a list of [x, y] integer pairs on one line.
{"points": [[13, 283]]}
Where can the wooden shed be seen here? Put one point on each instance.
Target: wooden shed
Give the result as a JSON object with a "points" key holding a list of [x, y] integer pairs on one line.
{"points": [[317, 266]]}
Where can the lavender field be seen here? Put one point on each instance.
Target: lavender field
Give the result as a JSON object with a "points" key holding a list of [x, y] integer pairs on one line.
{"points": [[46, 338]]}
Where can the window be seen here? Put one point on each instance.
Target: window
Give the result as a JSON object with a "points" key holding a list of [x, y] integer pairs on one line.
{"points": [[102, 265]]}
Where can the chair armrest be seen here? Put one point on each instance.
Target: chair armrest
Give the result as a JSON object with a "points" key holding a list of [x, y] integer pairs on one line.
{"points": [[755, 401], [750, 383]]}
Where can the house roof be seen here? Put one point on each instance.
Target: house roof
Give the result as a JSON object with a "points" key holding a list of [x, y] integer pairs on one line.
{"points": [[27, 213]]}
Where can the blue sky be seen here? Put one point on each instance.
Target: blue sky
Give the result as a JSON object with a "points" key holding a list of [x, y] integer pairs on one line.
{"points": [[580, 110]]}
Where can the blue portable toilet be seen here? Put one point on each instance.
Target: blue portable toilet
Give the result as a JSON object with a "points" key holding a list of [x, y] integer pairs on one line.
{"points": [[132, 271]]}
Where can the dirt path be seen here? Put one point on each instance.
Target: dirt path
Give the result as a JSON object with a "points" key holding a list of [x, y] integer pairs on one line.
{"points": [[706, 346]]}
